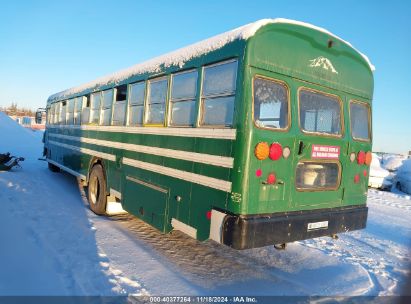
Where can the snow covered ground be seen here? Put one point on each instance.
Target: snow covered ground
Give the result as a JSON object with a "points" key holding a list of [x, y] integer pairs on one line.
{"points": [[52, 244]]}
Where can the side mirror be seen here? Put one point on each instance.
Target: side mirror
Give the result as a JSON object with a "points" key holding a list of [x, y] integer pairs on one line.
{"points": [[39, 115]]}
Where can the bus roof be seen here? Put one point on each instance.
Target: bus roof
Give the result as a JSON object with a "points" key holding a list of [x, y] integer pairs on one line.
{"points": [[181, 56]]}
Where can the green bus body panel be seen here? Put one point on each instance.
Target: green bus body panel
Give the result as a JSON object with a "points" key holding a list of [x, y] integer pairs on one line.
{"points": [[282, 52], [289, 50]]}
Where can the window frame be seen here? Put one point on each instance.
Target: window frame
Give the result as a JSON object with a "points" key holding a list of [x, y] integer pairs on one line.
{"points": [[322, 134], [281, 82], [76, 120], [48, 114], [114, 104], [194, 99], [91, 115], [86, 101], [129, 105], [200, 118], [68, 113], [57, 112], [146, 98], [369, 120], [102, 106]]}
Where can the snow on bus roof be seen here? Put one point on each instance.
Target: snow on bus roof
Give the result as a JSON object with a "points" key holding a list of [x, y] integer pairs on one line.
{"points": [[181, 56]]}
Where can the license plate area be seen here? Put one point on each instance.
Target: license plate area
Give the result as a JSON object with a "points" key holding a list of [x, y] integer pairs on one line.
{"points": [[317, 225]]}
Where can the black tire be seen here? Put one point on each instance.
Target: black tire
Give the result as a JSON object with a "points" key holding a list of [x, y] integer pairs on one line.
{"points": [[96, 193], [53, 168]]}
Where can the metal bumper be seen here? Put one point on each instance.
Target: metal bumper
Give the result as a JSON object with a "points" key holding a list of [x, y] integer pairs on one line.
{"points": [[251, 231]]}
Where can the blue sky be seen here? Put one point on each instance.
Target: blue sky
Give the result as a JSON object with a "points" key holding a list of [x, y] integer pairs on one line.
{"points": [[49, 46]]}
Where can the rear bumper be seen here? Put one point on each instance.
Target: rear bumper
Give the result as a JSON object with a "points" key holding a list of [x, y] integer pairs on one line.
{"points": [[251, 231]]}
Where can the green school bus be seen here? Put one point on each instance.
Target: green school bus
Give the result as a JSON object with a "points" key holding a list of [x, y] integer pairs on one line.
{"points": [[258, 136]]}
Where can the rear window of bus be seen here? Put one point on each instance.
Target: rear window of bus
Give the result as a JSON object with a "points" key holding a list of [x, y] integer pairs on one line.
{"points": [[320, 113], [360, 120], [270, 104]]}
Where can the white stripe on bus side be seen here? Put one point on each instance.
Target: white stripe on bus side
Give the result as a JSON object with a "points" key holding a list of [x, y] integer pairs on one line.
{"points": [[215, 160], [182, 132], [86, 151], [206, 181]]}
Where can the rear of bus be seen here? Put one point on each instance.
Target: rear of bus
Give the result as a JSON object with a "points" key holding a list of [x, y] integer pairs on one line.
{"points": [[307, 103]]}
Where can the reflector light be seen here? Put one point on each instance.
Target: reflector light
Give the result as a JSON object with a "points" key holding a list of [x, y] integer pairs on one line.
{"points": [[365, 173], [276, 150], [361, 158], [368, 158], [258, 172], [286, 152], [271, 178], [352, 157], [208, 215], [357, 178], [261, 150]]}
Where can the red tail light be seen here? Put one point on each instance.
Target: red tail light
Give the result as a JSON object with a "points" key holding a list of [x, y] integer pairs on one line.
{"points": [[271, 178], [357, 178], [276, 150], [361, 158], [208, 215]]}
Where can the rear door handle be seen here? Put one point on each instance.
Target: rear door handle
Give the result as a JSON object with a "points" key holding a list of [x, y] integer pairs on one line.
{"points": [[300, 147]]}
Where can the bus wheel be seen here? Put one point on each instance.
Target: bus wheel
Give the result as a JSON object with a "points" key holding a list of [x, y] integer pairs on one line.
{"points": [[97, 190], [53, 168]]}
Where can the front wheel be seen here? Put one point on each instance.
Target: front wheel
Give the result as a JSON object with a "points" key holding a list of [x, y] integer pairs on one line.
{"points": [[97, 197]]}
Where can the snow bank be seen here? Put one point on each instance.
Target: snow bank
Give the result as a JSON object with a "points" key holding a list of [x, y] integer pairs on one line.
{"points": [[183, 55], [16, 139], [393, 162], [376, 169], [406, 167], [404, 176]]}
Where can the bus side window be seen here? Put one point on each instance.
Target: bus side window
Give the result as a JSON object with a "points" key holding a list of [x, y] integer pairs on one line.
{"points": [[183, 97], [63, 113], [85, 114], [156, 101], [119, 108], [70, 110], [106, 103], [48, 116], [136, 104], [52, 111], [218, 94], [77, 110], [57, 113], [95, 108]]}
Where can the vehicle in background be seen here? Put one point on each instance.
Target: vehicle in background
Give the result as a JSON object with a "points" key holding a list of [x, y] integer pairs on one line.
{"points": [[403, 177], [379, 178]]}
